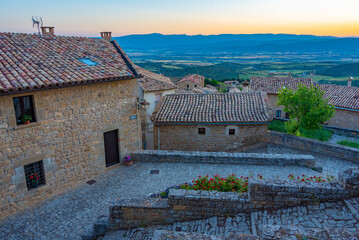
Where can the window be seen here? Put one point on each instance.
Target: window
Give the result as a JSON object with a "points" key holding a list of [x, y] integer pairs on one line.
{"points": [[88, 61], [278, 113], [24, 110], [201, 131], [287, 115], [232, 132], [195, 85], [187, 87], [34, 175]]}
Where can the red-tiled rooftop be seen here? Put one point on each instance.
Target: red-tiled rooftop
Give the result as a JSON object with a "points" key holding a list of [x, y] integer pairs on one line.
{"points": [[341, 96], [272, 85], [154, 82], [195, 78], [31, 61], [251, 107]]}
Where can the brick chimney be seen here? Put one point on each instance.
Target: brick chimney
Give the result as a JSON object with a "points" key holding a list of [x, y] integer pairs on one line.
{"points": [[350, 81], [106, 36], [48, 31]]}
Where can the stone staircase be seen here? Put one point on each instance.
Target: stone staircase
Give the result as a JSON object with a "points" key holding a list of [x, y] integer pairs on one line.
{"points": [[323, 221]]}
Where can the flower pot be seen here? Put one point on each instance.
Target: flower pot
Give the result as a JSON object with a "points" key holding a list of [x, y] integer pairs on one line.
{"points": [[129, 163], [27, 122]]}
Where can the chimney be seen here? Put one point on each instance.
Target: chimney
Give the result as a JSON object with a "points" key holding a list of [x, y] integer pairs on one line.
{"points": [[48, 31], [106, 36], [245, 85], [350, 81], [289, 74]]}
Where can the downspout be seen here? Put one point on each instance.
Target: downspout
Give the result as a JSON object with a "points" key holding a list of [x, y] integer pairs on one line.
{"points": [[158, 137]]}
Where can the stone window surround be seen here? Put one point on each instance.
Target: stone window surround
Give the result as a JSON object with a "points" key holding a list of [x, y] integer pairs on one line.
{"points": [[234, 127], [9, 111], [231, 131], [19, 178], [278, 112]]}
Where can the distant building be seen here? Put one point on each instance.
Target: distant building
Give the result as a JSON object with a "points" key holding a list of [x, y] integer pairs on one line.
{"points": [[190, 81], [344, 98], [232, 83], [152, 87], [211, 122]]}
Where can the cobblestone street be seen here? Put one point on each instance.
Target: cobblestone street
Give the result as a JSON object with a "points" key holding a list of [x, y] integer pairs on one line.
{"points": [[69, 214]]}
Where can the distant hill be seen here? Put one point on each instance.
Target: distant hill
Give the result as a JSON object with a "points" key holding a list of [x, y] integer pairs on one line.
{"points": [[160, 41], [342, 70]]}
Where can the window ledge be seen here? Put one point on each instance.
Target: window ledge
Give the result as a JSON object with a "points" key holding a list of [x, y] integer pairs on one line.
{"points": [[23, 126]]}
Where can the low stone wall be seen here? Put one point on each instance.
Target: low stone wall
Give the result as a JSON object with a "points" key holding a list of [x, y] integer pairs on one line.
{"points": [[225, 158], [185, 205], [308, 144]]}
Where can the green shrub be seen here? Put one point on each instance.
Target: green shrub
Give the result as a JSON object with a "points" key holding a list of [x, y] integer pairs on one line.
{"points": [[277, 126], [347, 143], [321, 134]]}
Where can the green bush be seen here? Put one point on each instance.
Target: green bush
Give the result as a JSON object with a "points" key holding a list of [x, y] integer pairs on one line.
{"points": [[277, 126], [217, 183], [321, 134], [347, 143]]}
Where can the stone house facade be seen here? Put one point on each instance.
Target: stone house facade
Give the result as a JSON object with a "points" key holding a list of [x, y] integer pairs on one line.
{"points": [[211, 122], [189, 82], [81, 114], [345, 99], [152, 87]]}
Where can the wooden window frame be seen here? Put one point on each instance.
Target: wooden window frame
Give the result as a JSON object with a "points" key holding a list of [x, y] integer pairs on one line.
{"points": [[22, 108]]}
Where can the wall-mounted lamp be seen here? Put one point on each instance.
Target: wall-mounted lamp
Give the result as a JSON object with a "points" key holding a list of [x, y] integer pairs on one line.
{"points": [[142, 104]]}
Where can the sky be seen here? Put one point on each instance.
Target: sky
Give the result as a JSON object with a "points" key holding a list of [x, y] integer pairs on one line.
{"points": [[89, 17]]}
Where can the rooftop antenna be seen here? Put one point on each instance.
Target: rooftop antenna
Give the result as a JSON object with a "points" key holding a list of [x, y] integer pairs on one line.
{"points": [[38, 22]]}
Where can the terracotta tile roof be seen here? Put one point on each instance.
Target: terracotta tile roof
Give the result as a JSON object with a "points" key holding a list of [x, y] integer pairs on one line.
{"points": [[252, 107], [29, 61], [154, 82], [341, 96], [195, 78], [273, 84]]}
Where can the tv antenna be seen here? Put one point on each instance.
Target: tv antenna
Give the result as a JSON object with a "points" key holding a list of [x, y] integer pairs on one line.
{"points": [[38, 22]]}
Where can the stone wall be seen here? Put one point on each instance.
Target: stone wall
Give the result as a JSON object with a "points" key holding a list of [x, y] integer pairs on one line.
{"points": [[183, 85], [186, 205], [224, 158], [185, 137], [332, 149], [68, 137]]}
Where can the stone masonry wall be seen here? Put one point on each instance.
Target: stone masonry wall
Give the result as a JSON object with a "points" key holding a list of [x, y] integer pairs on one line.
{"points": [[68, 137], [185, 137], [331, 149], [183, 85], [186, 205], [224, 158]]}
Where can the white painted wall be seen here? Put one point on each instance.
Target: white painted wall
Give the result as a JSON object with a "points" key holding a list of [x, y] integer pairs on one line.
{"points": [[151, 98]]}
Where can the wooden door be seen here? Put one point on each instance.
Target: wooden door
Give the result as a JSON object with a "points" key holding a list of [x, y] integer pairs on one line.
{"points": [[112, 153]]}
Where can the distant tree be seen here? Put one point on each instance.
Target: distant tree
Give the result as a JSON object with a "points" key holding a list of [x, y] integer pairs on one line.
{"points": [[306, 107]]}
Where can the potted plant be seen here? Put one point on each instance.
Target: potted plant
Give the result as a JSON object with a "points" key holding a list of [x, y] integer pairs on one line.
{"points": [[128, 160], [26, 119]]}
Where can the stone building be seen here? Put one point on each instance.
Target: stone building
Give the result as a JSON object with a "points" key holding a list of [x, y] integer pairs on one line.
{"points": [[152, 87], [190, 81], [345, 99], [211, 122], [68, 109]]}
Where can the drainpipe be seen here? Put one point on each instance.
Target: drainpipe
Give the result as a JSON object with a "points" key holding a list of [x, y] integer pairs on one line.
{"points": [[158, 138]]}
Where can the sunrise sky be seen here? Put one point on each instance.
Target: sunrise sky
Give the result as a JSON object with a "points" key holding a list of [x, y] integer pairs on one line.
{"points": [[89, 17]]}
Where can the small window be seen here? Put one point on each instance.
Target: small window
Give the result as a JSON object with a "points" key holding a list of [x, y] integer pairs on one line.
{"points": [[278, 113], [187, 87], [287, 115], [232, 132], [88, 61], [201, 131], [24, 110], [195, 85], [34, 175]]}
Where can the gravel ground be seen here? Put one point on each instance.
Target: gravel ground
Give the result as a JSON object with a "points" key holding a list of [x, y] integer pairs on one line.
{"points": [[67, 215]]}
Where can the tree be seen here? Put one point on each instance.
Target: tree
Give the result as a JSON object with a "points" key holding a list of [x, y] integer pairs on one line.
{"points": [[306, 107]]}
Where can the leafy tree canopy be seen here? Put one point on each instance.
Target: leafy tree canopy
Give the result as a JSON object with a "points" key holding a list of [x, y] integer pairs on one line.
{"points": [[306, 107]]}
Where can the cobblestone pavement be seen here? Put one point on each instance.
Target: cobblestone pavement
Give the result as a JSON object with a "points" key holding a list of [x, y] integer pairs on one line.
{"points": [[336, 138], [303, 220], [66, 216]]}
